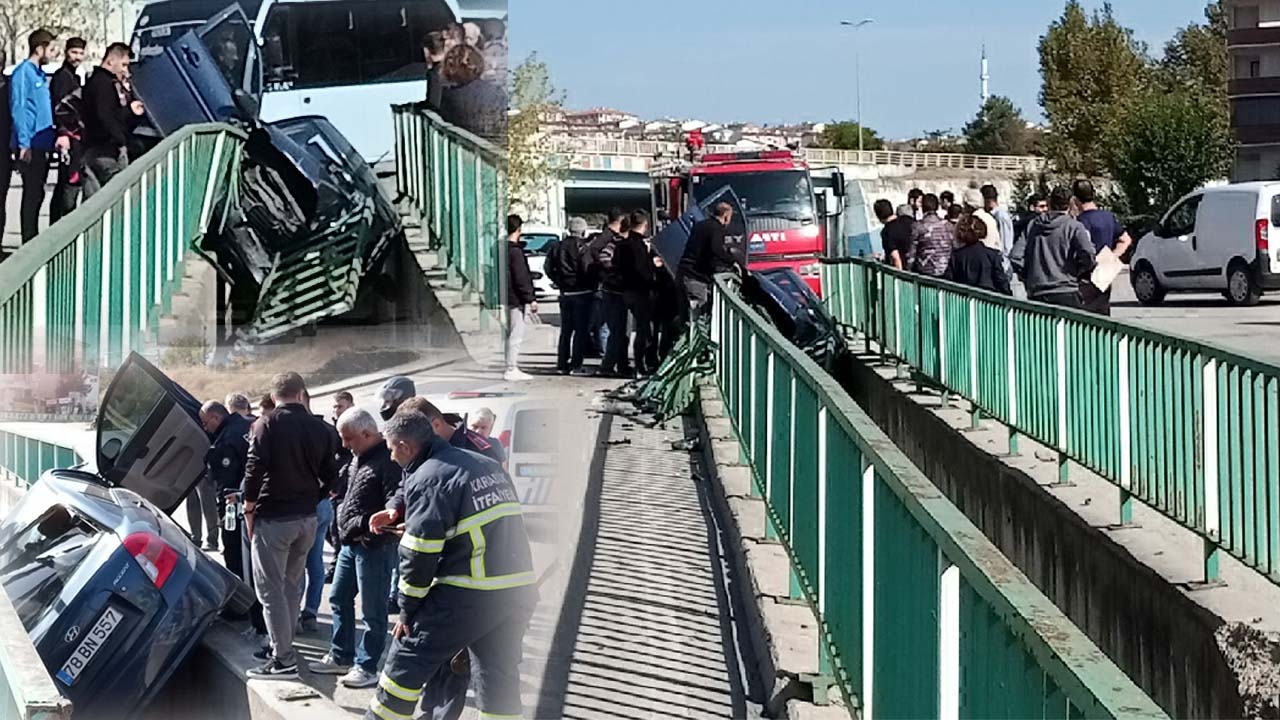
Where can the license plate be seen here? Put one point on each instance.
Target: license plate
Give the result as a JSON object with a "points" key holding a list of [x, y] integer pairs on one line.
{"points": [[531, 470], [90, 645], [162, 31], [755, 247]]}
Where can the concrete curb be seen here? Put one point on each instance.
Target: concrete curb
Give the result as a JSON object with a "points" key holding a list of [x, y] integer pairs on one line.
{"points": [[783, 633]]}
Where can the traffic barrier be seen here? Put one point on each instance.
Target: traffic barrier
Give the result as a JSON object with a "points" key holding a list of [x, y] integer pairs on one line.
{"points": [[921, 615], [93, 286], [23, 459], [1184, 426], [457, 182], [26, 690]]}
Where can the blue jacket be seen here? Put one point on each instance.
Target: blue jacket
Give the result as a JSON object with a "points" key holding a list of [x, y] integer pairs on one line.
{"points": [[31, 107]]}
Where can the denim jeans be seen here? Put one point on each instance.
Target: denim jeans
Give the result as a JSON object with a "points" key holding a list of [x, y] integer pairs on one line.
{"points": [[363, 571], [575, 323], [615, 319], [315, 559]]}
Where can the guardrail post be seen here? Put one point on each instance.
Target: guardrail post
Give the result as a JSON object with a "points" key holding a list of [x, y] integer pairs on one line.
{"points": [[1064, 463], [1126, 497], [1209, 438]]}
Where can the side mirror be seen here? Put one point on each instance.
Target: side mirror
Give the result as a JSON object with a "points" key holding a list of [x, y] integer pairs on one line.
{"points": [[838, 183]]}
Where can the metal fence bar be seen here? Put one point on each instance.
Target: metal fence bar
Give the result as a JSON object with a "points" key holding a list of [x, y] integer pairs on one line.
{"points": [[1186, 427], [921, 616], [456, 182], [94, 285]]}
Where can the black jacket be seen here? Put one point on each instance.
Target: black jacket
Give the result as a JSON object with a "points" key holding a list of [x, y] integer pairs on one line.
{"points": [[634, 264], [371, 481], [706, 253], [609, 278], [573, 266], [979, 266], [520, 279], [292, 462], [228, 453], [106, 121], [64, 82]]}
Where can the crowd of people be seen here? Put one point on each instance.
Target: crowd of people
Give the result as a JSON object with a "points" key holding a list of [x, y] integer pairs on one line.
{"points": [[84, 119], [618, 300], [974, 242], [466, 76], [416, 502]]}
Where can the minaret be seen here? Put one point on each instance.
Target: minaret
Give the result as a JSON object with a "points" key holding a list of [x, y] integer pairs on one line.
{"points": [[985, 77]]}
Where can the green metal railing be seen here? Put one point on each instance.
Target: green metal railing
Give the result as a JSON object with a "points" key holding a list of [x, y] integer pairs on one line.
{"points": [[921, 616], [457, 182], [26, 690], [23, 458], [93, 286], [1188, 428]]}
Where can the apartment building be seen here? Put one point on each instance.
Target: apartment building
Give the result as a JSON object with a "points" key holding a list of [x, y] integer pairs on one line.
{"points": [[1253, 46]]}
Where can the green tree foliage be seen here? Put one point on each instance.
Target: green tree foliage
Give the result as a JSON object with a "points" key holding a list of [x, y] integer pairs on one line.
{"points": [[844, 136], [1196, 58], [1164, 145], [998, 129], [1090, 66], [531, 165]]}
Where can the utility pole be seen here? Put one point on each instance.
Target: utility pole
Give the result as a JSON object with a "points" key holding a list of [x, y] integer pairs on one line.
{"points": [[857, 73], [985, 77]]}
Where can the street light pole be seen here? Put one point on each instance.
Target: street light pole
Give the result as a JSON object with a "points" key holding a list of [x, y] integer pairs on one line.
{"points": [[857, 72]]}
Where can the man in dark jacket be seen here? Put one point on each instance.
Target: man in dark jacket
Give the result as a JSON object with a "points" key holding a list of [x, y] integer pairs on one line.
{"points": [[572, 273], [365, 560], [291, 467], [975, 264], [637, 274], [611, 307], [62, 87], [705, 255], [1056, 254], [225, 463], [457, 592], [522, 300], [107, 119]]}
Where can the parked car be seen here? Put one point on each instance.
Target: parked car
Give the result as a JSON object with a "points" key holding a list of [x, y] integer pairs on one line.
{"points": [[312, 229], [112, 592], [795, 309], [538, 239], [1216, 239], [530, 432]]}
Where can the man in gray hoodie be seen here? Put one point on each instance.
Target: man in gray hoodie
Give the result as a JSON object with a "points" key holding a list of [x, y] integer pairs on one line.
{"points": [[1055, 254]]}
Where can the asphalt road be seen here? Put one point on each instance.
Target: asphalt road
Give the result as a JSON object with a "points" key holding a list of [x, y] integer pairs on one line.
{"points": [[1207, 317]]}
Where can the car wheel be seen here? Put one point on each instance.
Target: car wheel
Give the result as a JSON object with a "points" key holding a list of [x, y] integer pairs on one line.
{"points": [[1242, 290], [1146, 286]]}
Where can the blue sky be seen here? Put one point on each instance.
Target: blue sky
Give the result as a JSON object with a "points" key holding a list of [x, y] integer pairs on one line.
{"points": [[770, 61]]}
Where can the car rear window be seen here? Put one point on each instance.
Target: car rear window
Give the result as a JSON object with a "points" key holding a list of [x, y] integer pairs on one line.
{"points": [[535, 431], [537, 243], [36, 563], [1275, 210]]}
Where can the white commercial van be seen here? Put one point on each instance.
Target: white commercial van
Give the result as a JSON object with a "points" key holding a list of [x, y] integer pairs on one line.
{"points": [[1213, 240]]}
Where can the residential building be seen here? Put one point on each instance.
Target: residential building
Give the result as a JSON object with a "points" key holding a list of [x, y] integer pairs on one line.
{"points": [[1253, 47]]}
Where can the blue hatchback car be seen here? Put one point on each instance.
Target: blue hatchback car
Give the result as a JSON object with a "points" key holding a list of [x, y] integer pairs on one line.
{"points": [[113, 593]]}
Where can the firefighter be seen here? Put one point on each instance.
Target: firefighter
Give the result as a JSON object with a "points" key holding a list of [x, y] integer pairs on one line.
{"points": [[466, 575]]}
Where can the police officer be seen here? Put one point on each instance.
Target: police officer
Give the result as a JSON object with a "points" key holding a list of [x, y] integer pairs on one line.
{"points": [[464, 540], [225, 461], [393, 393], [453, 429]]}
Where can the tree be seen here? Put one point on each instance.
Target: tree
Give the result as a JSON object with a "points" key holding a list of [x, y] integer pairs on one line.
{"points": [[19, 18], [1196, 58], [1165, 144], [998, 129], [1090, 66], [532, 166], [844, 136]]}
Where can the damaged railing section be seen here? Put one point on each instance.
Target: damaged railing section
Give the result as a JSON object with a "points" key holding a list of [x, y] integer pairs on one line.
{"points": [[457, 182], [1186, 427], [23, 459], [93, 287], [26, 690], [921, 615]]}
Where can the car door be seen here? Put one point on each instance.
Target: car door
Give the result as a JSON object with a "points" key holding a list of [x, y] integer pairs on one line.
{"points": [[670, 242], [1225, 228], [1177, 263], [150, 439]]}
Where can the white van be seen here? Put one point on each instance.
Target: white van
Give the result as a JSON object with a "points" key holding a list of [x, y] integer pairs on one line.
{"points": [[1215, 240]]}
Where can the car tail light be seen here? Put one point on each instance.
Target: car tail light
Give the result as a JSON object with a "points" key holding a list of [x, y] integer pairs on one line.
{"points": [[154, 555], [1263, 227], [504, 437]]}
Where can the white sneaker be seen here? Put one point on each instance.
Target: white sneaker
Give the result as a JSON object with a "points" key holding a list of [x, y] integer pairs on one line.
{"points": [[359, 678], [327, 665], [516, 375]]}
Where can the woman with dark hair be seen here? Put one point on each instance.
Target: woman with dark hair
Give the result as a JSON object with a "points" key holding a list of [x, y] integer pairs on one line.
{"points": [[974, 263]]}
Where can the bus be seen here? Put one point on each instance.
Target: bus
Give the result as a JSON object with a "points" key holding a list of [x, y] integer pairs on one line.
{"points": [[346, 60]]}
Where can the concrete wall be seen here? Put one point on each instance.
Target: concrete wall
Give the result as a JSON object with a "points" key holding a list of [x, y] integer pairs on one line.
{"points": [[1161, 639]]}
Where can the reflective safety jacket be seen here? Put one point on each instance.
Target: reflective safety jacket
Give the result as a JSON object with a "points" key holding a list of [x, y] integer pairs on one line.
{"points": [[462, 527]]}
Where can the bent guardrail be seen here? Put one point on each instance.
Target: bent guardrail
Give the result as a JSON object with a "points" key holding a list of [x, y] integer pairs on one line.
{"points": [[457, 182], [92, 287], [1184, 426], [921, 615]]}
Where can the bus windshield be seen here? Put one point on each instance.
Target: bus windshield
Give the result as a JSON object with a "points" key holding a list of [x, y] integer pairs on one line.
{"points": [[336, 43], [787, 194]]}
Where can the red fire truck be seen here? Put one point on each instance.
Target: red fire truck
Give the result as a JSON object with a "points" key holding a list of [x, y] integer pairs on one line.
{"points": [[785, 219]]}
